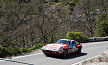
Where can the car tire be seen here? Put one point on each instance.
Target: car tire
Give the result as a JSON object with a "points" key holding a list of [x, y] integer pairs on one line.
{"points": [[79, 50], [64, 53]]}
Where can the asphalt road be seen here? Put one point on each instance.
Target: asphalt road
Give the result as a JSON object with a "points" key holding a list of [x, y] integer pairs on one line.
{"points": [[38, 58]]}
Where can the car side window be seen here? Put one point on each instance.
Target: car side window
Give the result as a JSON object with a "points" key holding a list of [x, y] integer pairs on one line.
{"points": [[69, 42], [73, 42], [76, 42]]}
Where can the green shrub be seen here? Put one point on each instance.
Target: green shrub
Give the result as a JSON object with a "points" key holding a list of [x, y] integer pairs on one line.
{"points": [[8, 52], [36, 46], [25, 50], [1, 49], [4, 52], [102, 26], [16, 51], [76, 36]]}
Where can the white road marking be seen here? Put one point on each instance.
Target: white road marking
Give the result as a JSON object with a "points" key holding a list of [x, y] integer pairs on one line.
{"points": [[27, 55], [1, 59], [80, 63]]}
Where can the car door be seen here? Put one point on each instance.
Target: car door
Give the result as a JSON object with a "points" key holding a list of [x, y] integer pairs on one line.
{"points": [[70, 47], [74, 46]]}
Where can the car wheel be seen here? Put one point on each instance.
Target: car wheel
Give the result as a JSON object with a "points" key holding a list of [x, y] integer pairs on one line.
{"points": [[65, 53], [79, 50]]}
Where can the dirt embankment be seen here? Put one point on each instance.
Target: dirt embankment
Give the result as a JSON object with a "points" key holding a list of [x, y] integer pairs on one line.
{"points": [[101, 60], [98, 60]]}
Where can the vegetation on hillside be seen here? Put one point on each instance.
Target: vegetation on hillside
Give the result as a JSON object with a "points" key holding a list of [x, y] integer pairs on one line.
{"points": [[76, 36], [8, 51], [102, 25], [24, 23]]}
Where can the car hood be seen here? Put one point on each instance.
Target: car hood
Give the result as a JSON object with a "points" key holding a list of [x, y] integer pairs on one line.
{"points": [[54, 46]]}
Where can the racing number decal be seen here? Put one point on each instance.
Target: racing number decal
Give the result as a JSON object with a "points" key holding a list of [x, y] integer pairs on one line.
{"points": [[74, 48], [70, 49]]}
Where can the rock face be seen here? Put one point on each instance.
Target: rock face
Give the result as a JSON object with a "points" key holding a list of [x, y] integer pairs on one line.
{"points": [[105, 56], [98, 63], [98, 60], [102, 60]]}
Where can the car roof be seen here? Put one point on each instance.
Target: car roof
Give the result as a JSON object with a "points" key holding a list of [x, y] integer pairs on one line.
{"points": [[67, 39], [72, 40], [64, 39]]}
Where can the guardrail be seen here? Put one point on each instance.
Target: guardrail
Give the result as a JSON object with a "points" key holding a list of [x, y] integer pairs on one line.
{"points": [[96, 39]]}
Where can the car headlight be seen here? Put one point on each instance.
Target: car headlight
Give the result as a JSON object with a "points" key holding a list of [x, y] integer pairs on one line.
{"points": [[43, 48]]}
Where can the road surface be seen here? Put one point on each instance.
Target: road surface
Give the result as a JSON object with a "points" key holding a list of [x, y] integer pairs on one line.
{"points": [[38, 58]]}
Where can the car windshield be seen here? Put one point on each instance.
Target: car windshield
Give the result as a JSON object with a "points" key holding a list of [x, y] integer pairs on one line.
{"points": [[63, 42]]}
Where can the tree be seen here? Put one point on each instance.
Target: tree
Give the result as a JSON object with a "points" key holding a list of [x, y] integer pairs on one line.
{"points": [[16, 23], [102, 25], [24, 24], [86, 13]]}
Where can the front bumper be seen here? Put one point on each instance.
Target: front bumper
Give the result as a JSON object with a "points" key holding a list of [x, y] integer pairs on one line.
{"points": [[52, 52]]}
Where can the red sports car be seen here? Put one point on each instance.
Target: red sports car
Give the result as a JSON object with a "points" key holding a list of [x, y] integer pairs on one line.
{"points": [[62, 47]]}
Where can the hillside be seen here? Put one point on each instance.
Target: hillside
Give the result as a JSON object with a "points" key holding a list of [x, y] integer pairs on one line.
{"points": [[27, 22]]}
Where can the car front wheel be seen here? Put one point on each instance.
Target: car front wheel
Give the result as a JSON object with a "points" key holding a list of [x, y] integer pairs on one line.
{"points": [[65, 53]]}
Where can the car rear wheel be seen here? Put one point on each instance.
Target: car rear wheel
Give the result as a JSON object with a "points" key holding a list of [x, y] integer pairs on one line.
{"points": [[79, 50]]}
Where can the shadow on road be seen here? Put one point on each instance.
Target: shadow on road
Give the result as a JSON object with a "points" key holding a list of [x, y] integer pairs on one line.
{"points": [[70, 56], [74, 56], [24, 63]]}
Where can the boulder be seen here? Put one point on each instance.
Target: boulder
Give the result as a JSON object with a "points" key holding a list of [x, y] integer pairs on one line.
{"points": [[104, 56], [98, 63]]}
